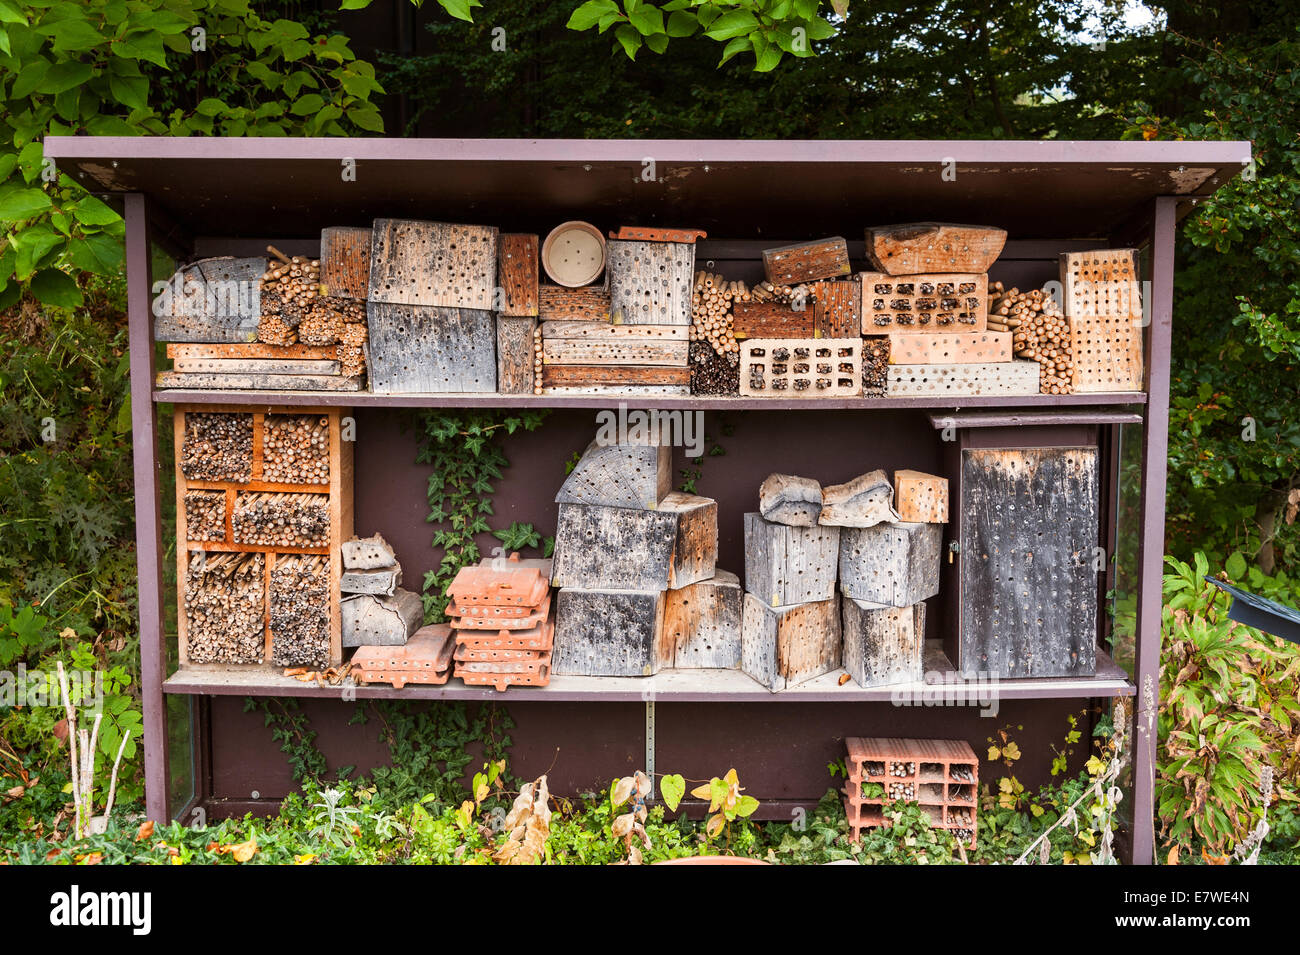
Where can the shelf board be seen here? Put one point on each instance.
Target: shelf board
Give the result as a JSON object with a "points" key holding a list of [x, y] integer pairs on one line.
{"points": [[365, 399], [668, 686]]}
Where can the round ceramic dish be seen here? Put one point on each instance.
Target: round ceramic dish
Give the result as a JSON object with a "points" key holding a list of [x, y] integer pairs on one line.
{"points": [[574, 254]]}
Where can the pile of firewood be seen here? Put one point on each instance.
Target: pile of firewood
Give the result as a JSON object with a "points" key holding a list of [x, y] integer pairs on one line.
{"points": [[273, 519], [224, 608], [300, 619], [711, 319], [296, 450], [218, 446], [205, 515], [1040, 332]]}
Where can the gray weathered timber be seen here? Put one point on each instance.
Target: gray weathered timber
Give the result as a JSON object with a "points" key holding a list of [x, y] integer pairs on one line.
{"points": [[381, 582], [883, 645], [433, 264], [213, 300], [416, 349], [785, 646], [893, 564], [256, 366], [229, 382], [619, 475], [787, 499], [368, 553], [1029, 527], [608, 632], [789, 565], [695, 550], [370, 621], [702, 624], [865, 501], [515, 355], [650, 282], [614, 548]]}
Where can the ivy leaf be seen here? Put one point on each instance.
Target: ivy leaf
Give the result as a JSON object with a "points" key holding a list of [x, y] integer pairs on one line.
{"points": [[53, 287]]}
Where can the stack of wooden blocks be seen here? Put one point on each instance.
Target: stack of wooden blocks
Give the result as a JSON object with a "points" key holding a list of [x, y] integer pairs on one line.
{"points": [[942, 775], [502, 621], [377, 612], [636, 565]]}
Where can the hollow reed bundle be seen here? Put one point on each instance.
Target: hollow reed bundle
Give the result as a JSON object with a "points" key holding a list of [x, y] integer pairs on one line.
{"points": [[224, 608], [205, 515], [296, 449], [300, 619], [275, 519], [218, 446]]}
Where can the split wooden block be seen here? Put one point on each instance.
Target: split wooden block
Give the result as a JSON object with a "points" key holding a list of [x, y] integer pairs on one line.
{"points": [[807, 261], [920, 497], [771, 320], [608, 632], [345, 262], [931, 302], [625, 352], [214, 300], [515, 355], [996, 378], [602, 332], [837, 309], [801, 367], [701, 627], [865, 501], [787, 499], [619, 475], [435, 264], [368, 553], [517, 273], [695, 551], [650, 283], [1104, 308], [371, 621], [914, 247], [588, 303], [417, 349], [381, 582], [892, 564], [882, 644], [617, 375], [790, 565], [949, 348], [784, 646]]}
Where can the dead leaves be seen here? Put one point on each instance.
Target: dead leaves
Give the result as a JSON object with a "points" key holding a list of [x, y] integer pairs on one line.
{"points": [[242, 852], [145, 831], [529, 825], [333, 676], [630, 826]]}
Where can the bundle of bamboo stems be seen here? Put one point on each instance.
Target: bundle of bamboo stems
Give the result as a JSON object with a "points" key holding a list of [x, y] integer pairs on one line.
{"points": [[711, 319], [300, 617], [225, 608], [275, 519], [217, 446], [296, 449], [1040, 332], [205, 515]]}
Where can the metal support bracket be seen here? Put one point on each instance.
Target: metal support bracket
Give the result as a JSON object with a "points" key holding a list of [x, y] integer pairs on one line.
{"points": [[650, 741]]}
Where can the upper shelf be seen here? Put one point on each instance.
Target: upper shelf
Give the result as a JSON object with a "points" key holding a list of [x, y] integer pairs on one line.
{"points": [[224, 186]]}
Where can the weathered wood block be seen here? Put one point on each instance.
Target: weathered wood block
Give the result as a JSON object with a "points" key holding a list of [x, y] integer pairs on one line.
{"points": [[771, 320], [588, 303], [914, 247], [657, 391], [997, 378], [807, 261], [214, 300], [583, 351], [1104, 308], [345, 262], [695, 551], [370, 621], [515, 355], [250, 350], [517, 272], [433, 264], [608, 632], [837, 309], [619, 475], [416, 349], [612, 375], [702, 624], [949, 348], [256, 366], [801, 367], [602, 332], [865, 501], [650, 282], [789, 565], [892, 564], [920, 497], [221, 381], [368, 553], [381, 582], [784, 646], [648, 234], [882, 644], [787, 499], [931, 302]]}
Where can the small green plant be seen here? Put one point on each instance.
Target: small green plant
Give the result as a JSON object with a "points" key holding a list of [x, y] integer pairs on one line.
{"points": [[725, 803]]}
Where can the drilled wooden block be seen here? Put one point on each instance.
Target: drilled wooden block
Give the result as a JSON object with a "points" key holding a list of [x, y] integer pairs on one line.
{"points": [[433, 264], [372, 621], [614, 375], [565, 351], [784, 646], [624, 334], [1107, 354], [656, 391], [517, 273], [614, 548], [608, 632], [515, 355], [916, 247], [949, 348], [772, 320], [1102, 282], [920, 497], [695, 550], [382, 581], [214, 300], [801, 368], [223, 381], [892, 564], [256, 366], [368, 553], [933, 302], [864, 501], [588, 303], [345, 262], [702, 624], [807, 261], [883, 644], [789, 499], [619, 475], [416, 349], [790, 565], [650, 282], [837, 309], [999, 378]]}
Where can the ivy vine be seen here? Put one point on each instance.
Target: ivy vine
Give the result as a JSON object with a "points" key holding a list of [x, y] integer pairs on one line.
{"points": [[291, 728]]}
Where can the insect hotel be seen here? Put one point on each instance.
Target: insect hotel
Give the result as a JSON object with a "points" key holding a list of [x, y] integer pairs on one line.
{"points": [[895, 530]]}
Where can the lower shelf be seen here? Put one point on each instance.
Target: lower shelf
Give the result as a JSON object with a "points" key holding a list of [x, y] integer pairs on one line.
{"points": [[680, 686]]}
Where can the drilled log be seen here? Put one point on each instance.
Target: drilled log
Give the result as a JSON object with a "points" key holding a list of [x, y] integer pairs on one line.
{"points": [[787, 499], [368, 553], [914, 247], [345, 262], [784, 646], [422, 350], [619, 475], [789, 565], [370, 621], [515, 359], [650, 282], [608, 632], [382, 581], [702, 624], [921, 497], [892, 564], [433, 264], [883, 645], [865, 501], [213, 300], [806, 261]]}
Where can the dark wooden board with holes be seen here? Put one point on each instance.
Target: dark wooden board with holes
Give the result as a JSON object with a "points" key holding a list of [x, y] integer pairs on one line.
{"points": [[435, 264], [1029, 527], [345, 262], [416, 349], [515, 355], [837, 309], [608, 632], [933, 302], [589, 303], [615, 375], [214, 300], [650, 283], [517, 272], [807, 261], [771, 320], [916, 247]]}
